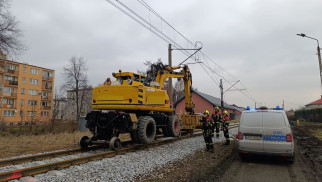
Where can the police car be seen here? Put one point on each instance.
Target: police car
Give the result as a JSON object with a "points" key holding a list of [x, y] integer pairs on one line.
{"points": [[265, 131]]}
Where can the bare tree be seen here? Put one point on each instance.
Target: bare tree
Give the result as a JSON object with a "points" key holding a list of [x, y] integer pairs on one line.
{"points": [[178, 90], [76, 79], [57, 105], [10, 34], [86, 100]]}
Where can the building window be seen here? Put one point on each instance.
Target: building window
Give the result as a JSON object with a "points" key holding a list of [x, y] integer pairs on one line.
{"points": [[11, 124], [10, 78], [43, 103], [8, 89], [26, 123], [22, 91], [10, 67], [47, 85], [23, 80], [33, 92], [21, 113], [33, 81], [32, 102], [4, 101], [9, 113], [7, 101], [32, 113], [43, 113], [24, 69], [22, 102], [44, 94], [34, 71]]}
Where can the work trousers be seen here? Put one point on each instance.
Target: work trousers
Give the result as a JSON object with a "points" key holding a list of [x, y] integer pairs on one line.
{"points": [[226, 133], [217, 126]]}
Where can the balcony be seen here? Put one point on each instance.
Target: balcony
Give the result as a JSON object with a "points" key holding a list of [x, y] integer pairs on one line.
{"points": [[14, 72], [8, 94], [47, 78], [46, 87], [10, 83], [10, 106], [45, 107], [46, 97]]}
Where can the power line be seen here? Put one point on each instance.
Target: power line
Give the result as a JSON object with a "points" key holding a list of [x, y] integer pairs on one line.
{"points": [[159, 32]]}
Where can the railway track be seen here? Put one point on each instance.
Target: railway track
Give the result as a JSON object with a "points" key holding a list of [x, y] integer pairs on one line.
{"points": [[16, 174]]}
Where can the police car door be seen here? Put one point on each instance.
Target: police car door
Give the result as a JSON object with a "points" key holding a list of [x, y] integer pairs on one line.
{"points": [[251, 126], [274, 131]]}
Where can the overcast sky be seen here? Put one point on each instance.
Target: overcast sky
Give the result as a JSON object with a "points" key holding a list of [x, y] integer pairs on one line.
{"points": [[254, 40]]}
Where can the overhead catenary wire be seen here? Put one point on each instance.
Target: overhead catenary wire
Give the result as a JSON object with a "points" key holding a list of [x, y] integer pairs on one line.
{"points": [[159, 33]]}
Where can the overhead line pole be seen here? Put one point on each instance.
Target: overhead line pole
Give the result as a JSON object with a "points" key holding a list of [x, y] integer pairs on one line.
{"points": [[222, 97], [170, 79]]}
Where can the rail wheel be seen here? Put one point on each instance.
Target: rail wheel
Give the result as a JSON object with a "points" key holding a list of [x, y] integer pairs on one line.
{"points": [[146, 129], [174, 126], [115, 143], [82, 143]]}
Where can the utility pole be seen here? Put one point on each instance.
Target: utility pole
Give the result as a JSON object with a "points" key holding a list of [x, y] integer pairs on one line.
{"points": [[170, 79], [170, 64], [319, 55], [320, 64], [222, 97], [283, 105]]}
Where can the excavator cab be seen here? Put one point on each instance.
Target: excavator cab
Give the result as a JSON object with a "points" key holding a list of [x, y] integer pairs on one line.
{"points": [[128, 78]]}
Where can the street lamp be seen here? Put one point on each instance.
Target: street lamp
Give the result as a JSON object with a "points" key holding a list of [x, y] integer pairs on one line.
{"points": [[319, 55]]}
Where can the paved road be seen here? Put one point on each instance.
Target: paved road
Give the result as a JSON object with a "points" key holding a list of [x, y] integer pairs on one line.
{"points": [[260, 168]]}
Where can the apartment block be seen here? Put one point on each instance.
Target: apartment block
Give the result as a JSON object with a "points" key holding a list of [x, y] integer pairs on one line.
{"points": [[26, 93]]}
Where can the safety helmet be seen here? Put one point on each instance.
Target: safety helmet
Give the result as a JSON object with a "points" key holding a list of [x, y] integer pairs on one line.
{"points": [[217, 108], [225, 112], [206, 112]]}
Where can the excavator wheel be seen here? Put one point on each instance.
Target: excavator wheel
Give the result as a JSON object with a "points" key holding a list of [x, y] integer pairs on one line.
{"points": [[174, 126], [115, 143], [146, 129]]}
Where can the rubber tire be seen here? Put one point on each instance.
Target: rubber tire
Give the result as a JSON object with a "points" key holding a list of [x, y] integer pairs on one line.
{"points": [[115, 143], [82, 142], [146, 129], [174, 126], [134, 136], [292, 158]]}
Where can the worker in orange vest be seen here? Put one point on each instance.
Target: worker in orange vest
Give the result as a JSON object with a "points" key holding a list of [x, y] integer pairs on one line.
{"points": [[207, 130], [225, 127], [216, 116]]}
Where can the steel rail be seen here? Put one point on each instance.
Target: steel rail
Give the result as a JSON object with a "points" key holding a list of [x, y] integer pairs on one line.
{"points": [[80, 160], [38, 157], [16, 174], [49, 155]]}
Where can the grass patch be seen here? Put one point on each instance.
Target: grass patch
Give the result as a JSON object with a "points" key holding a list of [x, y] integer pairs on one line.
{"points": [[31, 144], [318, 134]]}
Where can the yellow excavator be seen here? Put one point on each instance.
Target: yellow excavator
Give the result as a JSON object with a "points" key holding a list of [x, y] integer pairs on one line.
{"points": [[136, 104]]}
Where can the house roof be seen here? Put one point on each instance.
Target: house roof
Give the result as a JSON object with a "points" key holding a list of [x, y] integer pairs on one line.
{"points": [[214, 100], [317, 102], [240, 109]]}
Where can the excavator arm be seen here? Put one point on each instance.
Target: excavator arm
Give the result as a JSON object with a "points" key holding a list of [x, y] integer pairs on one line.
{"points": [[185, 74]]}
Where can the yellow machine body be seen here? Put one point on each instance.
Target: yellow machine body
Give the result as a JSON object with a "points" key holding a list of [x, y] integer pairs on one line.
{"points": [[130, 92]]}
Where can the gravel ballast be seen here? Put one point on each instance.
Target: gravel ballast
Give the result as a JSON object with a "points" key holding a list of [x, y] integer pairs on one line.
{"points": [[132, 165]]}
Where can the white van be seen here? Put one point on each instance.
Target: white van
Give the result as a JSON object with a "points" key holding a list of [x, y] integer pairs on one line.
{"points": [[265, 131]]}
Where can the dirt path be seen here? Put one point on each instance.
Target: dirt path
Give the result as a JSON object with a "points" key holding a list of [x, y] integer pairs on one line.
{"points": [[265, 168], [226, 165]]}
